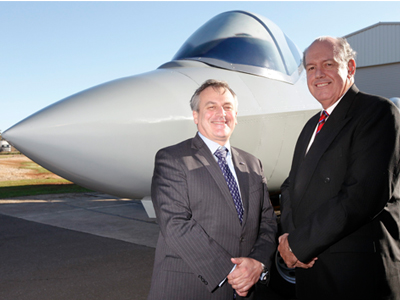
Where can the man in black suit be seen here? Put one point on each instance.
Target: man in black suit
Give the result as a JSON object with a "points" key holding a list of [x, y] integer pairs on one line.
{"points": [[340, 203], [208, 245]]}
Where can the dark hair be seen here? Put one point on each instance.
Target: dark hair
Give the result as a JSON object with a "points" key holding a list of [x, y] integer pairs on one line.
{"points": [[216, 84]]}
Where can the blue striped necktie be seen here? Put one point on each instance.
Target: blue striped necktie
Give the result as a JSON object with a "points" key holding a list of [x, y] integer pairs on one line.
{"points": [[220, 153]]}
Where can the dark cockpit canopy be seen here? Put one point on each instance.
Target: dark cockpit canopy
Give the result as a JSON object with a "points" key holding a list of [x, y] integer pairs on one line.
{"points": [[244, 42]]}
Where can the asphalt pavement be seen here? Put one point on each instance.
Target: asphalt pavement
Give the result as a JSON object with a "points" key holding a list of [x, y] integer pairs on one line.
{"points": [[78, 246]]}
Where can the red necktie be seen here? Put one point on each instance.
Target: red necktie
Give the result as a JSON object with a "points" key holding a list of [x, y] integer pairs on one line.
{"points": [[322, 120]]}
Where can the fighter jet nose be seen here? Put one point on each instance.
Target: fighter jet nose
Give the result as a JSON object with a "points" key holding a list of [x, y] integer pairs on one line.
{"points": [[26, 133], [98, 138]]}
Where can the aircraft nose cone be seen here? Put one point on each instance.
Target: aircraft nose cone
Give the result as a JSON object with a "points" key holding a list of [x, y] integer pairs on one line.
{"points": [[105, 138]]}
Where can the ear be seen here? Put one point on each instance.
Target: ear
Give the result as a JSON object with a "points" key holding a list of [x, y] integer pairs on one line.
{"points": [[195, 117], [351, 68]]}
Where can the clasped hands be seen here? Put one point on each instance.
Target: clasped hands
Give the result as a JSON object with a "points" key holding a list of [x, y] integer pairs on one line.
{"points": [[288, 256], [245, 275], [248, 270]]}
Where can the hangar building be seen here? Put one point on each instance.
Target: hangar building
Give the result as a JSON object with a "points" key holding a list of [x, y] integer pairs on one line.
{"points": [[378, 58]]}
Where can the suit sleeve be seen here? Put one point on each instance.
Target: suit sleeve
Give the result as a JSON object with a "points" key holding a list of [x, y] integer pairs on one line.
{"points": [[265, 246], [286, 219], [370, 178], [286, 208], [205, 257]]}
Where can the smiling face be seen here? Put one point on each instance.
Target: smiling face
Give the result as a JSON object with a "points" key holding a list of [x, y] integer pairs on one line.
{"points": [[216, 115], [328, 78]]}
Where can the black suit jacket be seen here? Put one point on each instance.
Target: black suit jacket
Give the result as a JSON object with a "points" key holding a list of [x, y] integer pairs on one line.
{"points": [[200, 229], [340, 202]]}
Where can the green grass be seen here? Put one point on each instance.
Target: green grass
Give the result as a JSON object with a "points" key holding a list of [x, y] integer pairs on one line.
{"points": [[9, 189], [24, 182], [30, 187], [34, 166], [5, 154]]}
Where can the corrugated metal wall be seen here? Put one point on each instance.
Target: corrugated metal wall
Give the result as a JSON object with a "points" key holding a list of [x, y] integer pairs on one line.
{"points": [[377, 44], [378, 58], [381, 80]]}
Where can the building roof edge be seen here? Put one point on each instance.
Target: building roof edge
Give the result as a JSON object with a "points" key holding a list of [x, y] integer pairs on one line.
{"points": [[370, 27]]}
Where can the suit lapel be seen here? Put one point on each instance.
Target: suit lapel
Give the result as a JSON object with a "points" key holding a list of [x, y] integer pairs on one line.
{"points": [[335, 123], [306, 137]]}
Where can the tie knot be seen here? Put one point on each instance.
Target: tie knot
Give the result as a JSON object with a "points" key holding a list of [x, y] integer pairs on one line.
{"points": [[323, 116], [322, 120], [221, 152]]}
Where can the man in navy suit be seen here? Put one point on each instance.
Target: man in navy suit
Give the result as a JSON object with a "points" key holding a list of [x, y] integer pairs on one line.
{"points": [[209, 246], [340, 204]]}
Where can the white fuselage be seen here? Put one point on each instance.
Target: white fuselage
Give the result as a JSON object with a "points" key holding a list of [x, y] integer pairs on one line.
{"points": [[138, 115]]}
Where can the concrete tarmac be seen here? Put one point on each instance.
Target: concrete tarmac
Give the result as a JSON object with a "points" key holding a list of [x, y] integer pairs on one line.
{"points": [[78, 246]]}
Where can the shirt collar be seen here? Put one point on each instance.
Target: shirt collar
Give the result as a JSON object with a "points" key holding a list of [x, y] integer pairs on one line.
{"points": [[213, 146], [330, 109]]}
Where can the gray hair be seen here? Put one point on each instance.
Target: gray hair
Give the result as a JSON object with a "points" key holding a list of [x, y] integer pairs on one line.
{"points": [[216, 84], [343, 51]]}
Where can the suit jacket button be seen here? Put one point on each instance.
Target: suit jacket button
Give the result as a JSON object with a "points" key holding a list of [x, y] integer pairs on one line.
{"points": [[203, 280], [327, 180], [241, 239]]}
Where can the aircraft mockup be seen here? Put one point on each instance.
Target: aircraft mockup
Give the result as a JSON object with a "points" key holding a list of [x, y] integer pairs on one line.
{"points": [[143, 113]]}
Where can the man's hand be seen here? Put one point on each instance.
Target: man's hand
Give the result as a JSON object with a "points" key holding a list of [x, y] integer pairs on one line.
{"points": [[245, 275], [288, 256]]}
